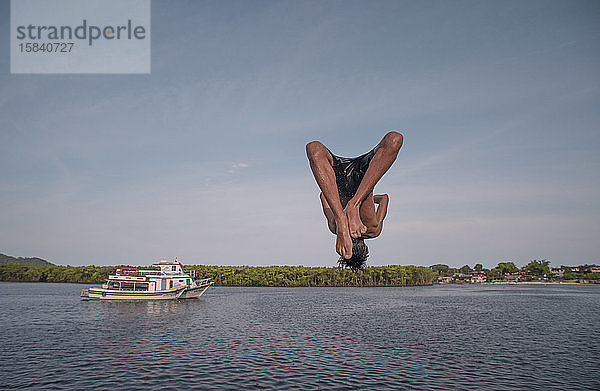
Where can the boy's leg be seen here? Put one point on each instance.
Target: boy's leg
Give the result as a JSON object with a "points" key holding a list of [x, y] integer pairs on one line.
{"points": [[385, 154], [321, 164]]}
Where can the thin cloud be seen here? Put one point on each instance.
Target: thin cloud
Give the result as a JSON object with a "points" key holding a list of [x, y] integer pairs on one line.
{"points": [[237, 166]]}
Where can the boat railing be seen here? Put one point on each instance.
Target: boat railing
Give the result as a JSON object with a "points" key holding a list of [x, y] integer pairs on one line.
{"points": [[191, 273], [85, 293], [204, 281]]}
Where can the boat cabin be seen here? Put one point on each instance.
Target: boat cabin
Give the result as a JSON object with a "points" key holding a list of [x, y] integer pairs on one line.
{"points": [[171, 275]]}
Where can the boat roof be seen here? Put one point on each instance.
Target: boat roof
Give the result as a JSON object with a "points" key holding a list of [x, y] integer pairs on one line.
{"points": [[167, 263]]}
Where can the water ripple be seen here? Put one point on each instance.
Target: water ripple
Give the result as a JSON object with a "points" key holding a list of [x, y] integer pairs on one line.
{"points": [[426, 338]]}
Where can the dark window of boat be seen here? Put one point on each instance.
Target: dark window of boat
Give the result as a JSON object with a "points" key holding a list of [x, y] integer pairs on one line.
{"points": [[141, 286], [127, 286], [114, 285]]}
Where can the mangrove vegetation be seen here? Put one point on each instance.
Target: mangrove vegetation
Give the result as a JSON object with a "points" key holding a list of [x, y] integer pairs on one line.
{"points": [[285, 276]]}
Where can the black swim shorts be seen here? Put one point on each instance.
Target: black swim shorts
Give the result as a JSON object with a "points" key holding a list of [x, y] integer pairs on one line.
{"points": [[349, 172]]}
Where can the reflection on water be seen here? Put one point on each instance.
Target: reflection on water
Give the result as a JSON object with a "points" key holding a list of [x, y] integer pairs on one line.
{"points": [[441, 337], [129, 309]]}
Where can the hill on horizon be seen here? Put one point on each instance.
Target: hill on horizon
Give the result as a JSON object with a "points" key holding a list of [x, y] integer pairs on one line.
{"points": [[33, 261]]}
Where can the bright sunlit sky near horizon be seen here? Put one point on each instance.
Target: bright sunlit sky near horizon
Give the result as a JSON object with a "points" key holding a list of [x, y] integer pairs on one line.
{"points": [[203, 159]]}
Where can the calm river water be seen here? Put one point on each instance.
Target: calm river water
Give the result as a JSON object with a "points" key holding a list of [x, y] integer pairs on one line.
{"points": [[423, 338]]}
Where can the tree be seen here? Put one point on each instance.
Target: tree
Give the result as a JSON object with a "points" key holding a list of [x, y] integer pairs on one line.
{"points": [[507, 267], [538, 268], [465, 269], [440, 269], [494, 274], [478, 268]]}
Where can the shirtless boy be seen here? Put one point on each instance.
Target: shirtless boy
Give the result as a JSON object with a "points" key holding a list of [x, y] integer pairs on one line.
{"points": [[347, 194]]}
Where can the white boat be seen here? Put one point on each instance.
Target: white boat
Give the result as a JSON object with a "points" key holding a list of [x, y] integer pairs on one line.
{"points": [[169, 283]]}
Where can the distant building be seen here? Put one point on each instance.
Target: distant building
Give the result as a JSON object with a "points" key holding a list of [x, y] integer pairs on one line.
{"points": [[473, 278], [558, 271], [460, 278], [518, 276], [478, 278]]}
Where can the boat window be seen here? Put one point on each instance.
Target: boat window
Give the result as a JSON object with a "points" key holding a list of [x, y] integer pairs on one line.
{"points": [[173, 268], [171, 284], [141, 286], [149, 272], [188, 281], [114, 285], [127, 286]]}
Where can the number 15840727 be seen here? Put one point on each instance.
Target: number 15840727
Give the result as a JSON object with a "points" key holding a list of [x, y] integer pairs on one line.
{"points": [[46, 47]]}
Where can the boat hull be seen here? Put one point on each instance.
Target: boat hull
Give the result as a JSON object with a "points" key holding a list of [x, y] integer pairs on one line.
{"points": [[108, 294], [194, 293]]}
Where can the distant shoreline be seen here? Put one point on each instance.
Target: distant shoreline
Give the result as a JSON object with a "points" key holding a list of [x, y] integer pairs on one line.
{"points": [[535, 283], [294, 276]]}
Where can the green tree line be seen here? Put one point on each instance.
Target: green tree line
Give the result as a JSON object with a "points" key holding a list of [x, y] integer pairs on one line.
{"points": [[289, 276]]}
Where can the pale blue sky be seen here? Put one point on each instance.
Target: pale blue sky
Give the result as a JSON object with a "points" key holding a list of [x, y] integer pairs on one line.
{"points": [[203, 159]]}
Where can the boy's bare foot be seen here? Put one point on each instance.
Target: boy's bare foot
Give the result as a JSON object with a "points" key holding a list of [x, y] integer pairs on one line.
{"points": [[343, 243], [355, 225]]}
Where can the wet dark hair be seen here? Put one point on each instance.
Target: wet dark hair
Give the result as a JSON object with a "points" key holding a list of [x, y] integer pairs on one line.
{"points": [[360, 253]]}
